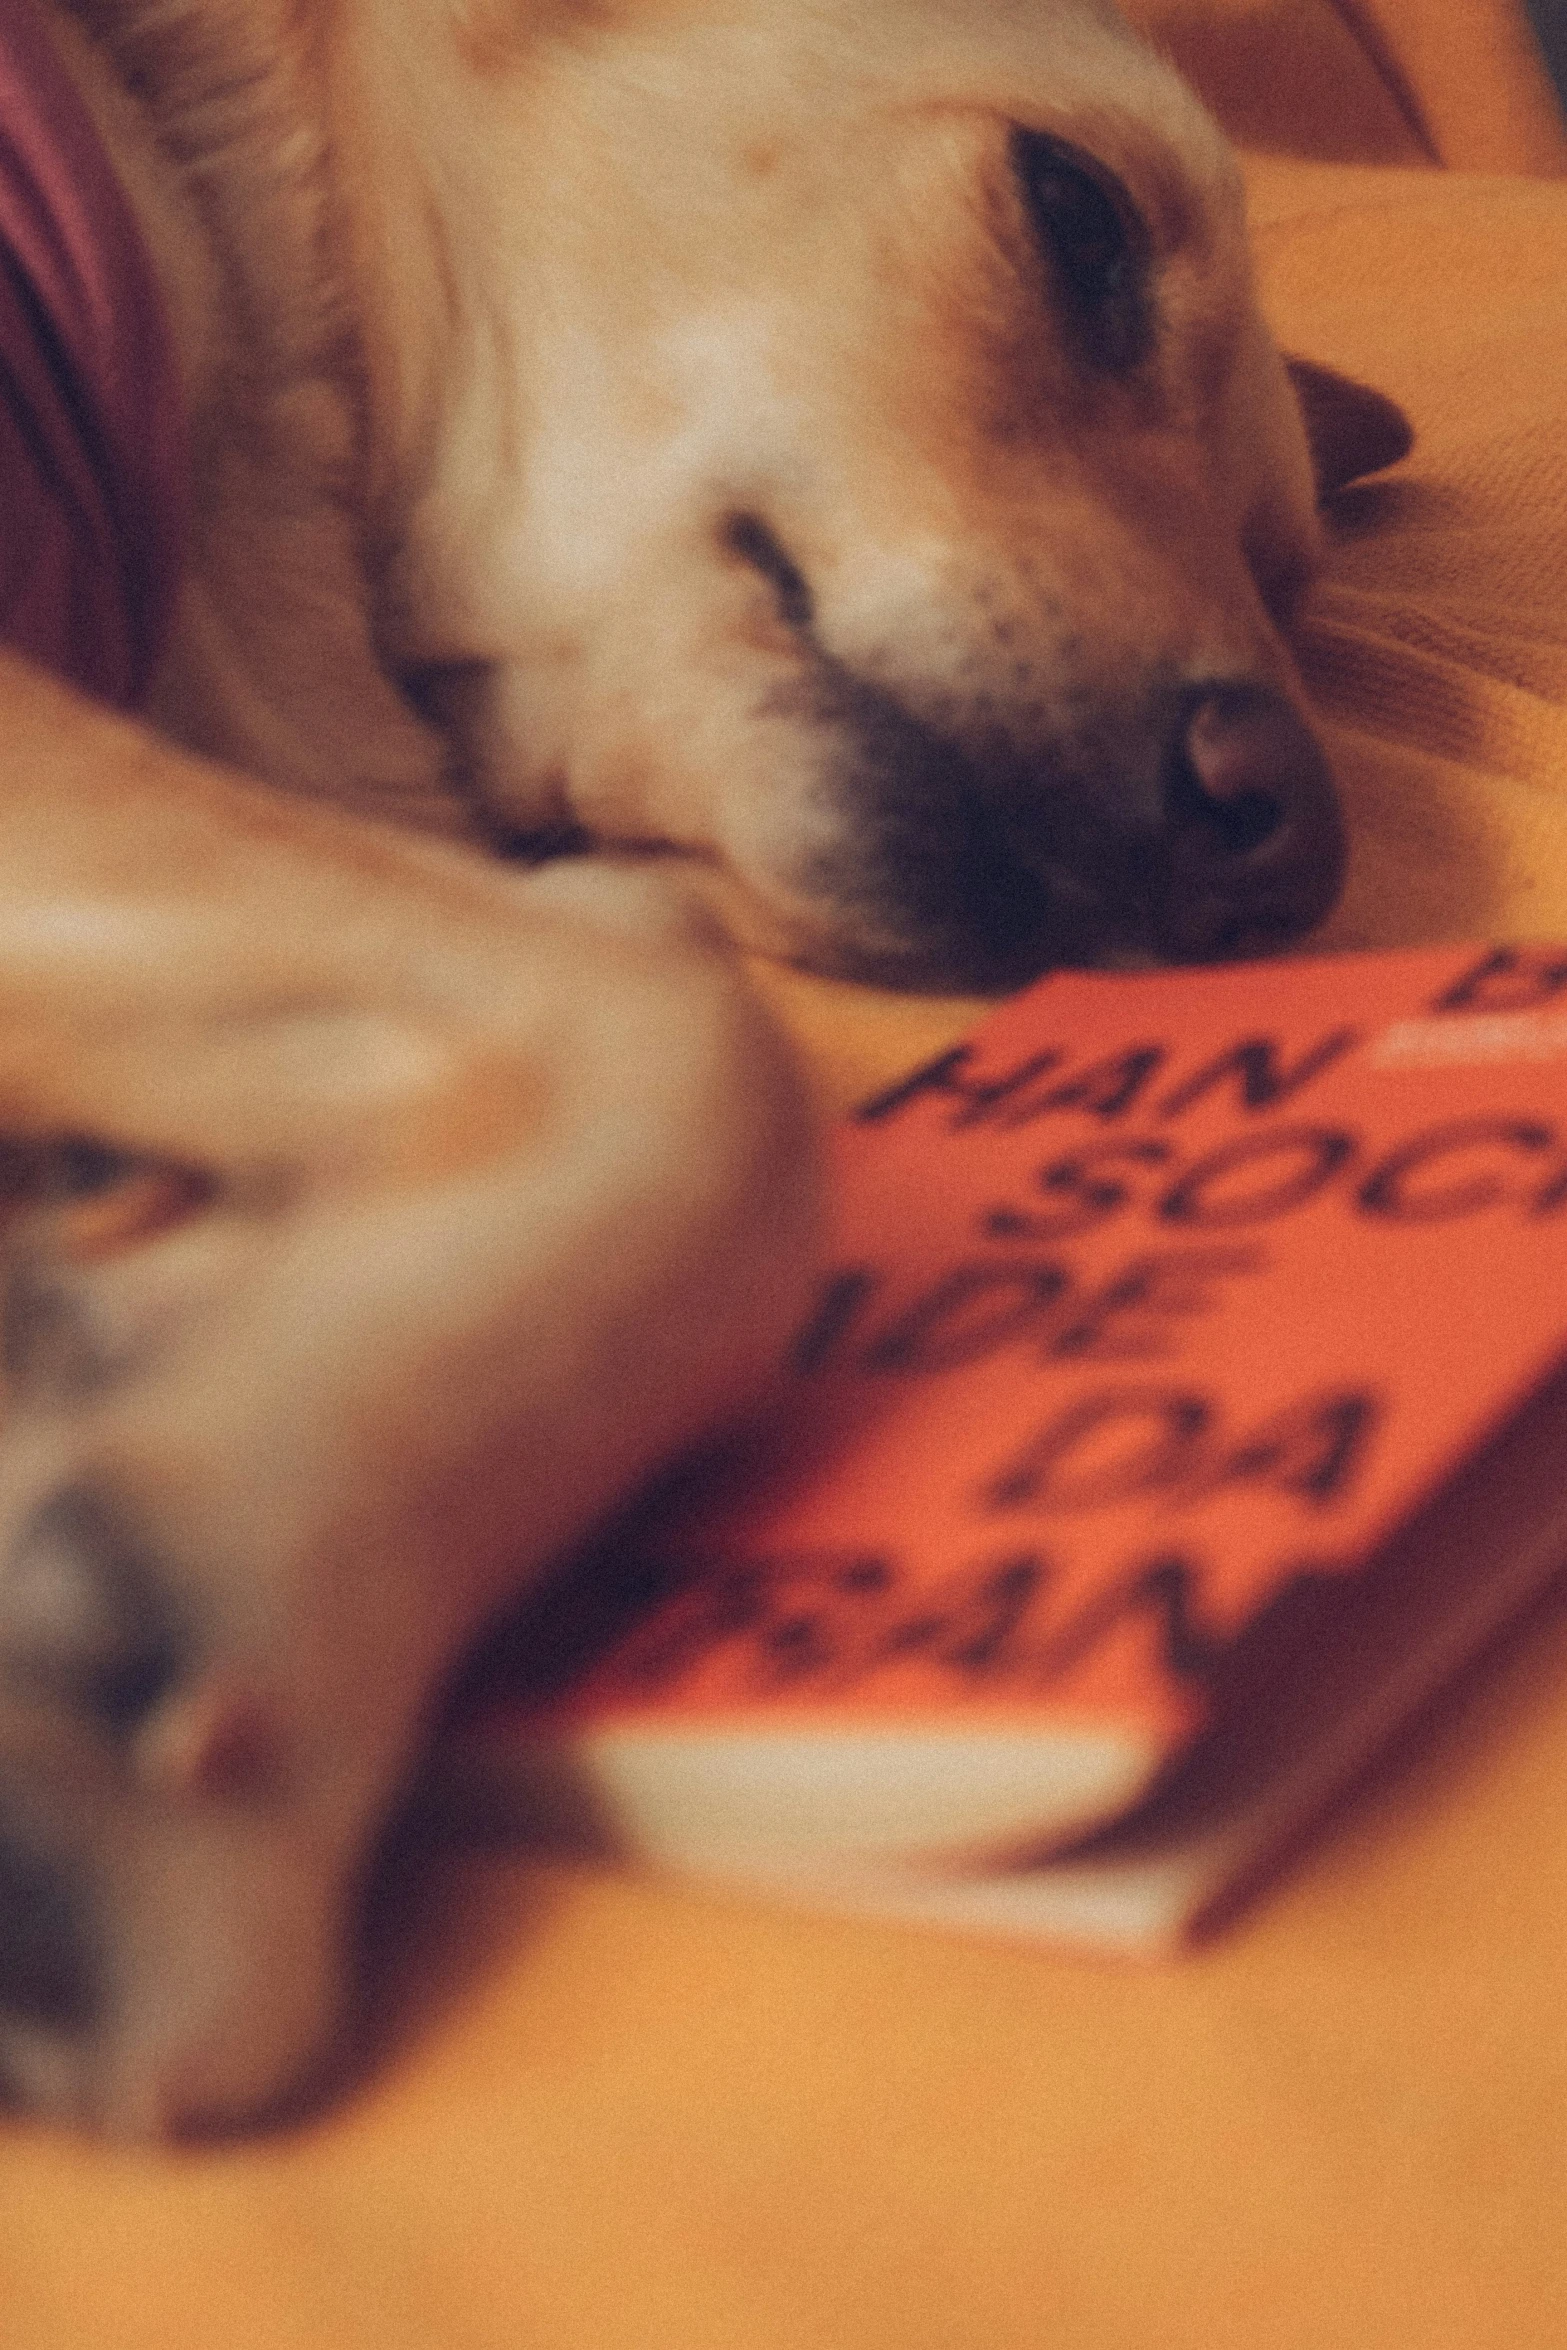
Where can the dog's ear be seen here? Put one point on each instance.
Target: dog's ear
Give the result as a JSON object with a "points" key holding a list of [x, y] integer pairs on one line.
{"points": [[1351, 429]]}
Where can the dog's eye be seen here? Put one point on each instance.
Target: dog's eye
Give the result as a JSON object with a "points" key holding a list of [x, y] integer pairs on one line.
{"points": [[1090, 232]]}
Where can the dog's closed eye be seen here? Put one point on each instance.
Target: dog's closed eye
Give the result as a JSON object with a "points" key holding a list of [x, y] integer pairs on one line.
{"points": [[1095, 245]]}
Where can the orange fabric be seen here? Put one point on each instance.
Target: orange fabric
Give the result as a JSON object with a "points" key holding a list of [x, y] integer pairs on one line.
{"points": [[620, 2116], [1471, 76], [1437, 646], [1292, 77], [1455, 82]]}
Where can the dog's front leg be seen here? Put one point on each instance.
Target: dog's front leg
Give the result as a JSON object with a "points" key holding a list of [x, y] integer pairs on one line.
{"points": [[374, 1220]]}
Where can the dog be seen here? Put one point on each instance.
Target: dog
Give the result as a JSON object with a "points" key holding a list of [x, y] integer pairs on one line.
{"points": [[836, 457]]}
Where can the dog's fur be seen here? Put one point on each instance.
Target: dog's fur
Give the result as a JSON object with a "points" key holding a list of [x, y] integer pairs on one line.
{"points": [[630, 424]]}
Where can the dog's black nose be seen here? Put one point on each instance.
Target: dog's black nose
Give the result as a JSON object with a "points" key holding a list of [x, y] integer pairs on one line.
{"points": [[1255, 843]]}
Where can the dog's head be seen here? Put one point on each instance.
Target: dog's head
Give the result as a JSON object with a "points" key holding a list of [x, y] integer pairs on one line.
{"points": [[854, 456]]}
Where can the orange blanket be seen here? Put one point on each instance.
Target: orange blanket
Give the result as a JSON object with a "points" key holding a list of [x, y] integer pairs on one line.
{"points": [[620, 2116]]}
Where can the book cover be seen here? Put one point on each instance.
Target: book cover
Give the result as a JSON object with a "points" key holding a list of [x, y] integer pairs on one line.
{"points": [[1184, 1400]]}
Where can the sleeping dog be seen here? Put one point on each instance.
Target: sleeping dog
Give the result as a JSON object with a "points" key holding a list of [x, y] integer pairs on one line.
{"points": [[835, 455]]}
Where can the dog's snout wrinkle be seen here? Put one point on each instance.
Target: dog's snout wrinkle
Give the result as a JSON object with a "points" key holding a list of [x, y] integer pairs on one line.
{"points": [[1256, 841], [757, 545]]}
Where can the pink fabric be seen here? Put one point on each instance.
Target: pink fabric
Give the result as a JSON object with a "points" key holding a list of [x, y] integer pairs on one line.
{"points": [[93, 441]]}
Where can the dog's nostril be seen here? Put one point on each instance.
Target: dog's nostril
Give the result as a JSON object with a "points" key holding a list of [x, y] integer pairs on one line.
{"points": [[748, 537], [1255, 842], [1224, 790]]}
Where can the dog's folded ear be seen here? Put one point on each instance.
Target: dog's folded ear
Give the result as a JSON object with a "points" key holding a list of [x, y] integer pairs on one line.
{"points": [[1351, 429]]}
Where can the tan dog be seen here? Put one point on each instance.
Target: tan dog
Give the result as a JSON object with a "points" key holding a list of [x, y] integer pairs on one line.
{"points": [[840, 447]]}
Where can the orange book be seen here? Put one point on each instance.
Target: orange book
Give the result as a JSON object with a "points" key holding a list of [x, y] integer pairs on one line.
{"points": [[1186, 1399]]}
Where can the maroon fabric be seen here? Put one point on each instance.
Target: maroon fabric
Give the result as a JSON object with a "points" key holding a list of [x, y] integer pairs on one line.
{"points": [[93, 449]]}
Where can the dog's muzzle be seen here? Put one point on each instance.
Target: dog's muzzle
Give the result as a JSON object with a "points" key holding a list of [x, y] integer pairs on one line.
{"points": [[1198, 825]]}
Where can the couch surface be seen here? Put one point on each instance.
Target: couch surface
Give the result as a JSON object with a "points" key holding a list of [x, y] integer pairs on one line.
{"points": [[619, 2115]]}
